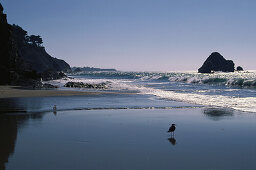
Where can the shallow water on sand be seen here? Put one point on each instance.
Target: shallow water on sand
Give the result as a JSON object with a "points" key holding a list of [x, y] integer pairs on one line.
{"points": [[205, 138], [93, 102]]}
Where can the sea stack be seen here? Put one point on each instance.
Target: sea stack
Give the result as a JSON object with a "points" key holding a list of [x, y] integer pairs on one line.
{"points": [[216, 62], [239, 68]]}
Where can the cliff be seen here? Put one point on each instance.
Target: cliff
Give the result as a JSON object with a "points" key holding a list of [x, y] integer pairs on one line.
{"points": [[22, 57], [33, 53], [8, 57]]}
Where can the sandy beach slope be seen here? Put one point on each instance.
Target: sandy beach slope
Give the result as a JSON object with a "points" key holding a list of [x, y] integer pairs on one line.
{"points": [[16, 91]]}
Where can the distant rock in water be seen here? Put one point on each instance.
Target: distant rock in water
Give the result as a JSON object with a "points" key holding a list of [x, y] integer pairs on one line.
{"points": [[79, 69], [239, 68], [216, 62]]}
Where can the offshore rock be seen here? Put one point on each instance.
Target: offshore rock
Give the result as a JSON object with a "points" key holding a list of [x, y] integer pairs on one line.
{"points": [[239, 68], [216, 62]]}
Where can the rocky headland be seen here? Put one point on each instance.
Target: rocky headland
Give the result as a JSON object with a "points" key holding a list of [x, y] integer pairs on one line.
{"points": [[23, 59]]}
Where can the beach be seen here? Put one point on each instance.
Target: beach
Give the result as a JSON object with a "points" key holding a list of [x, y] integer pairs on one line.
{"points": [[107, 136], [18, 91]]}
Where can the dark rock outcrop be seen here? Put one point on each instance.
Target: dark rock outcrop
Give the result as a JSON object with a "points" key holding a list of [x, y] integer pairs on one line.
{"points": [[86, 85], [239, 68], [40, 85], [52, 75], [216, 62], [23, 59]]}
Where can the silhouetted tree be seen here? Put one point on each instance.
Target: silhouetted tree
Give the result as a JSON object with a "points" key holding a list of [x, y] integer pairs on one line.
{"points": [[36, 40]]}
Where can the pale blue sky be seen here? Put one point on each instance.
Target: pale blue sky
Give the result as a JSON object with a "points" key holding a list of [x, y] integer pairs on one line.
{"points": [[140, 35]]}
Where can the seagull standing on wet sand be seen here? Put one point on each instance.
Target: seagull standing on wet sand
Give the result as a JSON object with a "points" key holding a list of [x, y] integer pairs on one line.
{"points": [[172, 129]]}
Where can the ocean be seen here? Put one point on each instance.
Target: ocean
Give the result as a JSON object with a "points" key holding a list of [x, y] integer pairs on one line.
{"points": [[225, 90]]}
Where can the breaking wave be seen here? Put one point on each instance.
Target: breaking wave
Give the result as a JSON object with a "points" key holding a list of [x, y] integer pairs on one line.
{"points": [[247, 104], [185, 87], [239, 79]]}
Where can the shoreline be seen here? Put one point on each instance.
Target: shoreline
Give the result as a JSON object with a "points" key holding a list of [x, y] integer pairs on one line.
{"points": [[18, 91]]}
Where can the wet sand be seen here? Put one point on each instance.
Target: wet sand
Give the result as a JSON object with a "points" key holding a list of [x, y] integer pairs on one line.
{"points": [[16, 91], [131, 139], [114, 139]]}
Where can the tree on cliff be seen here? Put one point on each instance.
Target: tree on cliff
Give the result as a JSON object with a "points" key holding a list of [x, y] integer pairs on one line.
{"points": [[21, 37], [36, 40]]}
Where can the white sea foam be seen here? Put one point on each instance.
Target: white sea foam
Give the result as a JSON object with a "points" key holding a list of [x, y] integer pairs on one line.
{"points": [[247, 104]]}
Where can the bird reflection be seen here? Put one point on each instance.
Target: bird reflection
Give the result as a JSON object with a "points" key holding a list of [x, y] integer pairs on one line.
{"points": [[172, 140]]}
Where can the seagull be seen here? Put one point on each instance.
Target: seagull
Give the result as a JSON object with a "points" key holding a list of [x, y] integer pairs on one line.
{"points": [[172, 129]]}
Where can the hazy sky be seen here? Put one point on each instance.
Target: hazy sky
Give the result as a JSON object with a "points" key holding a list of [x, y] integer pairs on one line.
{"points": [[140, 35]]}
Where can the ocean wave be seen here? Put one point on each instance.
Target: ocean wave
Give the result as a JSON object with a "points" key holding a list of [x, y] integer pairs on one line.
{"points": [[240, 79], [247, 104], [157, 84]]}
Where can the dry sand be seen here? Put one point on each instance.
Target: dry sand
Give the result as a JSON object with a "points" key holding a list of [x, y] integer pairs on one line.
{"points": [[16, 91]]}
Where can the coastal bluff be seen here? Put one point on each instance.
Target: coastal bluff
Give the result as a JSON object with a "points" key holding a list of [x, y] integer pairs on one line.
{"points": [[23, 58], [216, 62]]}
